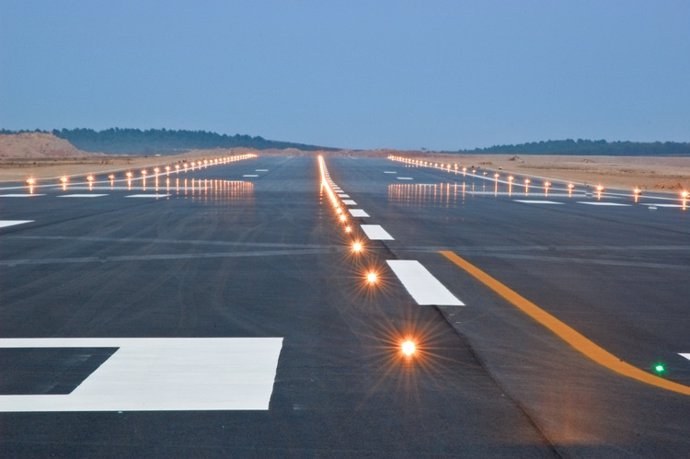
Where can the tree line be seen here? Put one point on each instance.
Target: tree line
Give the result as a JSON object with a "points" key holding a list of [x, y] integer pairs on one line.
{"points": [[161, 141], [590, 147]]}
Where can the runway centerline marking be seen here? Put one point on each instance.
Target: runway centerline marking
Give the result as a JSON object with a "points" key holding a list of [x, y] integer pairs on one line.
{"points": [[82, 195], [261, 170], [376, 233], [534, 201], [603, 203], [349, 202], [250, 175], [389, 172], [571, 336], [162, 374], [358, 213], [6, 223], [421, 284], [404, 178]]}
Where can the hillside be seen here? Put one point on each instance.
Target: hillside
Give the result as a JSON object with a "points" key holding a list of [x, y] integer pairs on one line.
{"points": [[37, 145]]}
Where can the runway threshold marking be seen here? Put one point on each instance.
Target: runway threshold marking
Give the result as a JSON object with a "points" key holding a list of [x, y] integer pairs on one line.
{"points": [[343, 195], [358, 213], [376, 233], [349, 202], [568, 334], [6, 223], [422, 285], [162, 374], [687, 356]]}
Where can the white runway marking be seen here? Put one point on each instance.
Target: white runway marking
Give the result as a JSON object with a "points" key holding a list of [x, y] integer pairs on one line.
{"points": [[147, 196], [82, 195], [389, 172], [603, 203], [687, 356], [404, 178], [17, 195], [676, 206], [261, 170], [376, 233], [250, 175], [343, 195], [6, 223], [349, 202], [358, 213], [528, 201], [422, 285], [162, 374]]}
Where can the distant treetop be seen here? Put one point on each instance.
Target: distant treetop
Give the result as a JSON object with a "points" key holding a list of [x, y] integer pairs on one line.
{"points": [[162, 141], [590, 147]]}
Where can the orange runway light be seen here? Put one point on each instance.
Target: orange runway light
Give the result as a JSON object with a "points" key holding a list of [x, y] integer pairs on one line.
{"points": [[408, 348], [348, 229], [31, 182], [343, 218], [357, 247], [372, 278]]}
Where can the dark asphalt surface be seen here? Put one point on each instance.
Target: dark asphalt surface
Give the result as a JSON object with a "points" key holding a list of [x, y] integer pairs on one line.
{"points": [[266, 258]]}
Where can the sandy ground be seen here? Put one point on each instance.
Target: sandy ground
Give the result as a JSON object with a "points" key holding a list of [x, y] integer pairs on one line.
{"points": [[663, 174], [52, 169]]}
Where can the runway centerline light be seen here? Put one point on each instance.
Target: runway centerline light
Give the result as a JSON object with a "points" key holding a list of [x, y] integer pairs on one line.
{"points": [[408, 348]]}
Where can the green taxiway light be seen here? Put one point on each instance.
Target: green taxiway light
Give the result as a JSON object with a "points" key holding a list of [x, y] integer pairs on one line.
{"points": [[660, 368]]}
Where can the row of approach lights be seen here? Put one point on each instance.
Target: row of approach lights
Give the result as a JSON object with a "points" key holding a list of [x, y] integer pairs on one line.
{"points": [[191, 166], [456, 168], [408, 346]]}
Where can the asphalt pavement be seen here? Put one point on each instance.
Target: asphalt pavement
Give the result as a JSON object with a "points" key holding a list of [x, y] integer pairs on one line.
{"points": [[222, 312]]}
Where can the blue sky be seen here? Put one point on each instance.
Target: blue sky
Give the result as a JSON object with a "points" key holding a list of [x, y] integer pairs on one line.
{"points": [[361, 74]]}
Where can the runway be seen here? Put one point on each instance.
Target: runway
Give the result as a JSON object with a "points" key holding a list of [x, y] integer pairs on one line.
{"points": [[223, 312]]}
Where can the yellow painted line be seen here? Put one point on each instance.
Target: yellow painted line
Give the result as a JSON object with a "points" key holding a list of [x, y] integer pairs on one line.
{"points": [[564, 331]]}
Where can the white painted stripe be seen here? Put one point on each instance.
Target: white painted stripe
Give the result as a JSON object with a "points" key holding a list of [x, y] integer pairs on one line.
{"points": [[16, 195], [250, 175], [404, 178], [687, 356], [6, 223], [82, 195], [162, 374], [528, 201], [261, 170], [389, 172], [349, 202], [343, 195], [421, 284], [147, 196], [358, 213], [677, 206], [603, 203], [376, 233]]}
